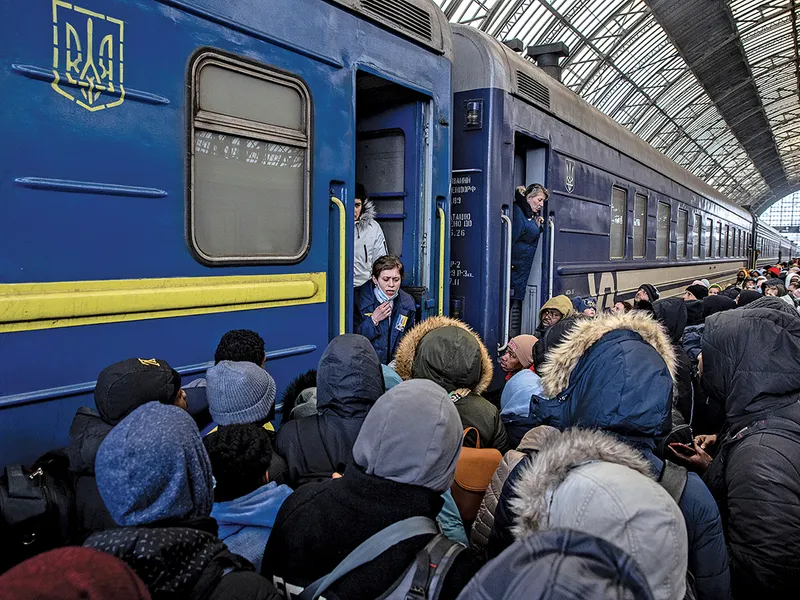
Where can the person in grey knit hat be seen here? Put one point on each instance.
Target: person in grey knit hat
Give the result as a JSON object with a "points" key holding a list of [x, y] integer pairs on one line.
{"points": [[239, 393], [404, 457]]}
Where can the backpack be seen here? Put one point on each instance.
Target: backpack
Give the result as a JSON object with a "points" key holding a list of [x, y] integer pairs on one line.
{"points": [[423, 579], [673, 478], [37, 509], [474, 472]]}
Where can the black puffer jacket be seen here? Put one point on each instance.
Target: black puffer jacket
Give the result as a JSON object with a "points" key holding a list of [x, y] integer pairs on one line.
{"points": [[349, 380], [751, 362], [672, 314], [184, 563]]}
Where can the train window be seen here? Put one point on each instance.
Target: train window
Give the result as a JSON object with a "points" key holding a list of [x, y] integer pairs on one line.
{"points": [[727, 240], [250, 173], [696, 233], [710, 238], [683, 225], [639, 226], [618, 218], [662, 233], [719, 238]]}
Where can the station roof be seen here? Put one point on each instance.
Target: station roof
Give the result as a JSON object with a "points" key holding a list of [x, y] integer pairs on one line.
{"points": [[713, 84]]}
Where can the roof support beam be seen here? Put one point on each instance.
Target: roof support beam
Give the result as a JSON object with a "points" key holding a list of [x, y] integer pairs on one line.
{"points": [[705, 35]]}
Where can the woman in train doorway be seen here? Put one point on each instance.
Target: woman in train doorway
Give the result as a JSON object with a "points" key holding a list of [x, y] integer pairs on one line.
{"points": [[525, 231], [384, 312], [370, 243]]}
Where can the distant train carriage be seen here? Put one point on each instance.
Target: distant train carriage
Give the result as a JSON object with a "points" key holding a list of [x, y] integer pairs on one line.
{"points": [[619, 214], [771, 247], [185, 167]]}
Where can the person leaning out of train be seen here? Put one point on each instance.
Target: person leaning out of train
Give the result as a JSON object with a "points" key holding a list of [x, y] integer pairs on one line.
{"points": [[585, 305], [384, 312], [155, 477], [696, 291], [370, 243], [526, 227], [246, 501], [647, 292], [555, 309], [449, 353], [121, 388]]}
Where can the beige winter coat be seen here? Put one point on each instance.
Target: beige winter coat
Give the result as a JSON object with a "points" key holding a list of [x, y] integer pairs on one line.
{"points": [[533, 441]]}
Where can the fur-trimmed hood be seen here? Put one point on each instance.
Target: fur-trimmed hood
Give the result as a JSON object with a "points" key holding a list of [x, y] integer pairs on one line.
{"points": [[368, 213], [451, 359], [563, 360], [591, 482]]}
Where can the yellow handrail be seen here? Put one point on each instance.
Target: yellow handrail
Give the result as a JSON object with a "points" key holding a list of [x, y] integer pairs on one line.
{"points": [[342, 265], [441, 215]]}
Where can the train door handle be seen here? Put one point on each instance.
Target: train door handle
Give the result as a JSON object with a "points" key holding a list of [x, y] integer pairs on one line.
{"points": [[551, 226], [507, 284], [342, 264], [440, 214]]}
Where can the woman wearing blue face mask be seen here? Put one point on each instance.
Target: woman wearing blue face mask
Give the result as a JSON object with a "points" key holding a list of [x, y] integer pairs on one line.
{"points": [[384, 312]]}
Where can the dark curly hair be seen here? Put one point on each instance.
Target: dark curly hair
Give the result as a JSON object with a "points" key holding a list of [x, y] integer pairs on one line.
{"points": [[240, 456], [241, 345]]}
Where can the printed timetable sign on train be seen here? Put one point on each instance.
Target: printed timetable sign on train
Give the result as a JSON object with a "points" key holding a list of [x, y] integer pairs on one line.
{"points": [[466, 244]]}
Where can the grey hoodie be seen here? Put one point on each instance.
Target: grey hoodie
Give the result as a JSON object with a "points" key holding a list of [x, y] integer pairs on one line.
{"points": [[370, 244], [411, 435], [591, 482]]}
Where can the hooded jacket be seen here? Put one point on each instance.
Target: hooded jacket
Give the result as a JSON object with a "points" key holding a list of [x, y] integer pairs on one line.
{"points": [[533, 441], [750, 364], [245, 523], [154, 476], [589, 481], [515, 404], [386, 335], [349, 380], [525, 232], [560, 303], [614, 373], [403, 459], [560, 564], [370, 243], [448, 352], [121, 388]]}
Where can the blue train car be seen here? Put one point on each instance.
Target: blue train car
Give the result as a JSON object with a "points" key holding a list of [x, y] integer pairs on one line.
{"points": [[619, 213], [174, 169], [770, 246]]}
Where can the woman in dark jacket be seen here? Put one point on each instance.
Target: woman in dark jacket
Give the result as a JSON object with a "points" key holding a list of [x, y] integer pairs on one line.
{"points": [[750, 364], [384, 312], [349, 380], [526, 227], [154, 476]]}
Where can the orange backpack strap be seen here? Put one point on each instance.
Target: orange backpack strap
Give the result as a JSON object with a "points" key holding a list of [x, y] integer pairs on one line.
{"points": [[477, 436]]}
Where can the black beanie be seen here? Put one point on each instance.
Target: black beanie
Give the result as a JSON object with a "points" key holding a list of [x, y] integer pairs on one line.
{"points": [[699, 291], [126, 385], [361, 191], [651, 291]]}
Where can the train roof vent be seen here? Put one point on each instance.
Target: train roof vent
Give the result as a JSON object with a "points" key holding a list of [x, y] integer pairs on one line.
{"points": [[403, 14], [531, 89]]}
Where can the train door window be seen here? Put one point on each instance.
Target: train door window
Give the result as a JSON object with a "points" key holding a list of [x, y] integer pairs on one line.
{"points": [[727, 240], [251, 141], [683, 225], [719, 238], [619, 215], [710, 238], [639, 226], [662, 233], [696, 233]]}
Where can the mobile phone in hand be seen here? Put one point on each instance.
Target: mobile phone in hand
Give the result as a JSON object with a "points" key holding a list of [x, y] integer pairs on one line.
{"points": [[683, 449]]}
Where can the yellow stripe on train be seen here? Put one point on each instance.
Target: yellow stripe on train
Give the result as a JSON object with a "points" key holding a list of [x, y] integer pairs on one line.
{"points": [[30, 306]]}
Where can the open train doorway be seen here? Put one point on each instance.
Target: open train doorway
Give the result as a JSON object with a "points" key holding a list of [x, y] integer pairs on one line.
{"points": [[393, 164], [530, 166]]}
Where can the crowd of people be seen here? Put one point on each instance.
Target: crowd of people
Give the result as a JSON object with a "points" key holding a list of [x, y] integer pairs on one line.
{"points": [[646, 451]]}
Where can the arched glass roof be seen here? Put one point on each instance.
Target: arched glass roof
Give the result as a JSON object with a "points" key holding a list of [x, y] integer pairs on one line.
{"points": [[711, 84]]}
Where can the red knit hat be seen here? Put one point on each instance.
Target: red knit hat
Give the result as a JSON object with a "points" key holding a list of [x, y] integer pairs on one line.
{"points": [[67, 573], [774, 270]]}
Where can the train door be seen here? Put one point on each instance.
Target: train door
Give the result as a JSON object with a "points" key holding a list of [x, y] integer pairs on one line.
{"points": [[392, 163], [530, 166]]}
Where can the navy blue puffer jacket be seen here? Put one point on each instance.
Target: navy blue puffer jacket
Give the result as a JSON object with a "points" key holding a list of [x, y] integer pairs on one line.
{"points": [[615, 373]]}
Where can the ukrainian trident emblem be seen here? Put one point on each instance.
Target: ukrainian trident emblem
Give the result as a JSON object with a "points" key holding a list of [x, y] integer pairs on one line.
{"points": [[87, 56], [569, 175]]}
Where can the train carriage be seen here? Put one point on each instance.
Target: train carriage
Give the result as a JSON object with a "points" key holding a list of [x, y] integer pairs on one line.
{"points": [[178, 168]]}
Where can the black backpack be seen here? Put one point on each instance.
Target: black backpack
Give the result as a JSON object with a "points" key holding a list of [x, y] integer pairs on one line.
{"points": [[673, 478], [37, 509]]}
